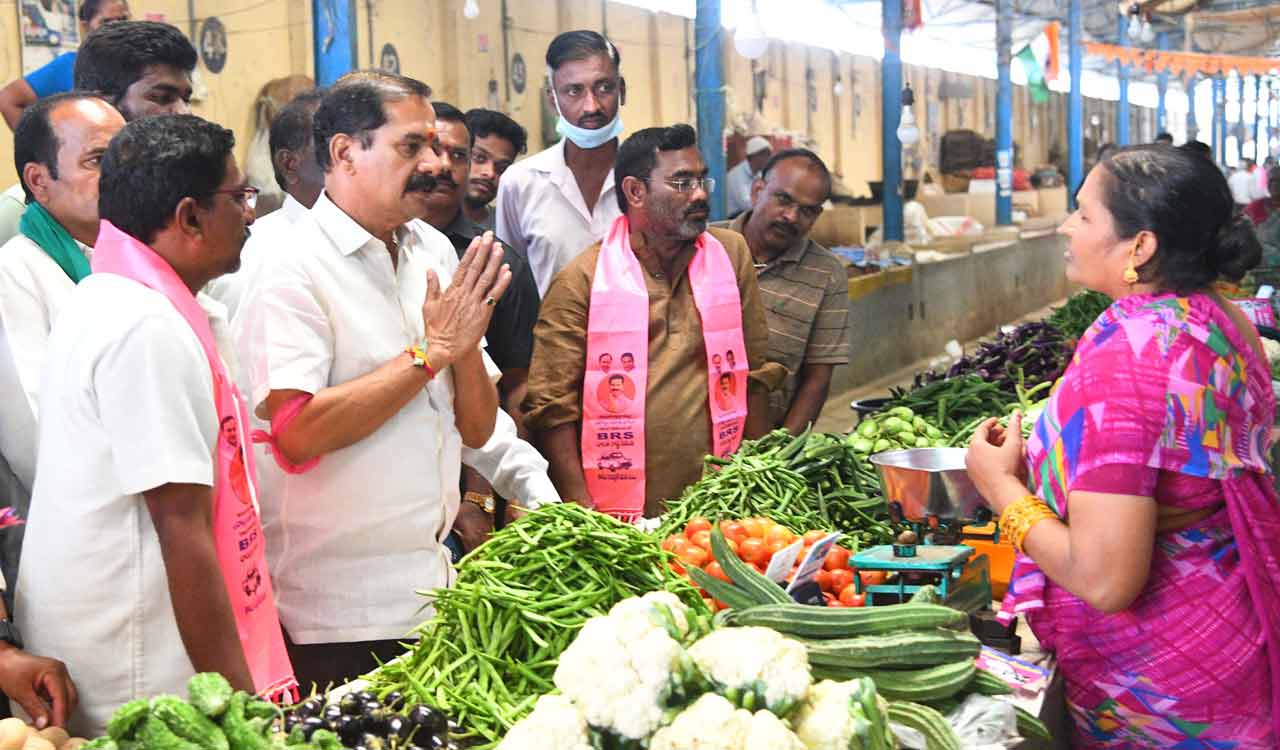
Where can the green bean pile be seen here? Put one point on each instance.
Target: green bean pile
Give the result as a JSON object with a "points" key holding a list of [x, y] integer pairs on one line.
{"points": [[520, 598], [953, 403], [811, 481], [1079, 312]]}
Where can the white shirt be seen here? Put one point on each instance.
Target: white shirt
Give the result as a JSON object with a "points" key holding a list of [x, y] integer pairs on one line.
{"points": [[363, 530], [13, 201], [32, 289], [1244, 187], [737, 188], [126, 406], [270, 231], [541, 212]]}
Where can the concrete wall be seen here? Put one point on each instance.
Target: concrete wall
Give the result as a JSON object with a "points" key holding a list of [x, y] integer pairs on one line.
{"points": [[964, 297], [464, 62]]}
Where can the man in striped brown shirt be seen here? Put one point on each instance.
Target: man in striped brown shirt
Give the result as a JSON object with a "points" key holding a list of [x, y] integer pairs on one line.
{"points": [[803, 285]]}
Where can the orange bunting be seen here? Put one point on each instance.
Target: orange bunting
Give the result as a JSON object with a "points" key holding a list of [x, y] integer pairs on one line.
{"points": [[1051, 70], [1182, 63]]}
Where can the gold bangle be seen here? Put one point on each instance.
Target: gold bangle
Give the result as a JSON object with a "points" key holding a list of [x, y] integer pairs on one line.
{"points": [[1018, 517]]}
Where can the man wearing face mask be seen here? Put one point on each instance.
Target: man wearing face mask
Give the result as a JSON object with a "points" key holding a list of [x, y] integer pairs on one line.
{"points": [[556, 203], [672, 294]]}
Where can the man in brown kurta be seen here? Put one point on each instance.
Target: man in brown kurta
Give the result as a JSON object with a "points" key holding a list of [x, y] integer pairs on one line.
{"points": [[663, 190]]}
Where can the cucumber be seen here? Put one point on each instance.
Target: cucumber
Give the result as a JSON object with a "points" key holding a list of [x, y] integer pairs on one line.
{"points": [[985, 683], [916, 648], [1030, 726], [731, 595], [938, 734], [822, 622], [927, 684], [760, 589]]}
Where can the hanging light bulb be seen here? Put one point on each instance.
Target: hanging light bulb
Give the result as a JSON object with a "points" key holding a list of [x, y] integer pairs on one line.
{"points": [[1135, 28], [471, 10], [1148, 33], [838, 87], [908, 133], [749, 39]]}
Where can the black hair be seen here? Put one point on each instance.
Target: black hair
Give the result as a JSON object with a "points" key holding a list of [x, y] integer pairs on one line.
{"points": [[449, 113], [291, 128], [1198, 148], [115, 56], [355, 107], [486, 122], [816, 164], [617, 376], [155, 162], [34, 139], [1165, 137], [579, 45], [1184, 200], [638, 154], [89, 9]]}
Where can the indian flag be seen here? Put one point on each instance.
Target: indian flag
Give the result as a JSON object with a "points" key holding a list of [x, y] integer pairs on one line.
{"points": [[1040, 62]]}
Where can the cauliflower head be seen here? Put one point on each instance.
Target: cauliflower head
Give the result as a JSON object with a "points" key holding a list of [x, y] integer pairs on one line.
{"points": [[842, 716], [713, 723], [624, 670], [755, 667], [555, 724]]}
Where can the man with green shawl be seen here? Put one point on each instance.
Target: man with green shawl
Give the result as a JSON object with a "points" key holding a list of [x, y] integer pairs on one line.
{"points": [[58, 146]]}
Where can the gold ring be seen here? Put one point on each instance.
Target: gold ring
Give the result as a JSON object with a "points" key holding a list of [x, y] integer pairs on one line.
{"points": [[490, 301]]}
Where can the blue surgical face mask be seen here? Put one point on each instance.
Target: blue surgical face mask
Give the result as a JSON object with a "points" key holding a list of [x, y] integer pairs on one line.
{"points": [[582, 137]]}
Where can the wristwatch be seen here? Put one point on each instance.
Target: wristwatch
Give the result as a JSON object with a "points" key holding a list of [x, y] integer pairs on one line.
{"points": [[486, 502], [9, 634]]}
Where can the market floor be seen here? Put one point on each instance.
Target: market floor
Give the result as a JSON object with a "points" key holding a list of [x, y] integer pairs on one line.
{"points": [[837, 416]]}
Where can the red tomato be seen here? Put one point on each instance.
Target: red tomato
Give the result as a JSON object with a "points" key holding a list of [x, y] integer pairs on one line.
{"points": [[837, 559], [702, 539], [733, 530], [717, 605], [694, 556], [872, 577], [751, 550], [840, 579], [775, 545], [677, 567], [824, 580], [669, 542], [835, 603], [678, 544], [759, 568], [753, 528], [714, 570], [780, 534], [732, 544], [850, 597], [828, 597], [813, 537], [696, 524]]}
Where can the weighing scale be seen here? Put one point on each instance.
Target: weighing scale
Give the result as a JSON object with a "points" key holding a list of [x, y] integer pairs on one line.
{"points": [[929, 490]]}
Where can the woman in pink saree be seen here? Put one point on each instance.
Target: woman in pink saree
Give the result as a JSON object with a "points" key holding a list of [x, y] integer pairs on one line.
{"points": [[1150, 549]]}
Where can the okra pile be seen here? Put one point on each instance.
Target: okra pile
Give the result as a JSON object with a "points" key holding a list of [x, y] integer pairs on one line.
{"points": [[492, 645]]}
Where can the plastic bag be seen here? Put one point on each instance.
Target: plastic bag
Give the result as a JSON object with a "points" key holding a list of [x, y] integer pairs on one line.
{"points": [[984, 723], [908, 738]]}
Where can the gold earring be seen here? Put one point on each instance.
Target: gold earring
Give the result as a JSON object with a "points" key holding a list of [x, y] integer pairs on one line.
{"points": [[1130, 273]]}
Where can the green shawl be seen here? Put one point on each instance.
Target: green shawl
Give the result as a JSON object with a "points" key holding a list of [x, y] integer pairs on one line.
{"points": [[54, 240]]}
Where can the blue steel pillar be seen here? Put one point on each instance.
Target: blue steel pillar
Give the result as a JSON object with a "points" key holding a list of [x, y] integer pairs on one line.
{"points": [[709, 81], [1239, 119], [891, 109], [1075, 101], [1262, 113], [1220, 113], [1162, 86], [334, 41], [1004, 113], [1122, 75]]}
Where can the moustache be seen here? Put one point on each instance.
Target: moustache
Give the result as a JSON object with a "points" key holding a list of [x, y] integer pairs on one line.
{"points": [[420, 182], [699, 207], [486, 185], [783, 227], [592, 122]]}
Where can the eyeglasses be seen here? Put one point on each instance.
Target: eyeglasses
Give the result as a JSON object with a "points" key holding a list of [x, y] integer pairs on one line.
{"points": [[246, 196], [689, 184]]}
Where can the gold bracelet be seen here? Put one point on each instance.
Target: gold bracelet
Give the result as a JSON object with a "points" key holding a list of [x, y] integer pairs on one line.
{"points": [[1018, 517]]}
